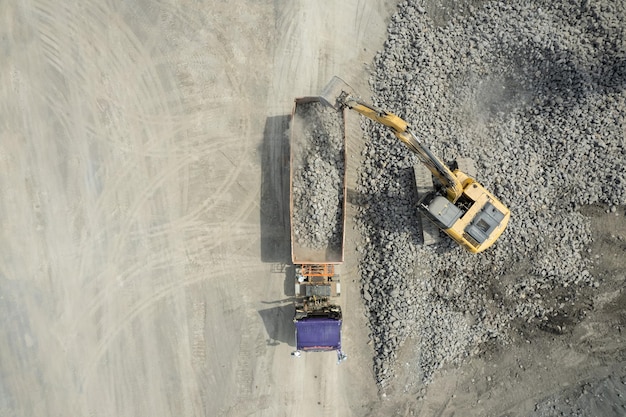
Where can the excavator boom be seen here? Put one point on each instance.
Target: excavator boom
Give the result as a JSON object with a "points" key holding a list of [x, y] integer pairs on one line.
{"points": [[339, 94]]}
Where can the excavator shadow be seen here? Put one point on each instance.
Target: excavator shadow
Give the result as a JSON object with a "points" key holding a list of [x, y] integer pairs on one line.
{"points": [[396, 212]]}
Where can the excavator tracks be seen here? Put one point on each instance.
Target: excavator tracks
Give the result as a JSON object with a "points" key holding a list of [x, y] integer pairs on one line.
{"points": [[424, 184]]}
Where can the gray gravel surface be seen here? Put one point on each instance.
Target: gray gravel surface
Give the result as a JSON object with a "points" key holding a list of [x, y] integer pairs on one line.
{"points": [[604, 397], [533, 92], [318, 177]]}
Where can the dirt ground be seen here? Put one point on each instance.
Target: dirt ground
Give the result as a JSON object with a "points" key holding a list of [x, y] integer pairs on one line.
{"points": [[144, 268]]}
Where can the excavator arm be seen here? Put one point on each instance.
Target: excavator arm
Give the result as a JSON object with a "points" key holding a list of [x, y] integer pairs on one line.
{"points": [[468, 213], [400, 128]]}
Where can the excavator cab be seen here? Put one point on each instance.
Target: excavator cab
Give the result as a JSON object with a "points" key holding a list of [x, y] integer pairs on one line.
{"points": [[439, 210]]}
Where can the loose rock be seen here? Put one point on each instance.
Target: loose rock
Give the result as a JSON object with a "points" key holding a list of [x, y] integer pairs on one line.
{"points": [[533, 92], [318, 176]]}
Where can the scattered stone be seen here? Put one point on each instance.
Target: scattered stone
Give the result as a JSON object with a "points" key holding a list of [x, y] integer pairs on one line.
{"points": [[533, 92]]}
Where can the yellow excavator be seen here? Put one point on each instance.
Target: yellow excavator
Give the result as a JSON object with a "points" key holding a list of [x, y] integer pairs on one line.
{"points": [[458, 204]]}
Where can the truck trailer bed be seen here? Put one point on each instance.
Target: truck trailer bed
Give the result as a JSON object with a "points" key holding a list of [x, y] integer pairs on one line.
{"points": [[317, 182]]}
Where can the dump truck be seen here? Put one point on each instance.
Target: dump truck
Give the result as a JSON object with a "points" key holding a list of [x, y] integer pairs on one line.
{"points": [[317, 216]]}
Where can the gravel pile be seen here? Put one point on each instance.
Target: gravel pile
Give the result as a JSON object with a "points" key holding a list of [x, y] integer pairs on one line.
{"points": [[533, 92], [318, 174]]}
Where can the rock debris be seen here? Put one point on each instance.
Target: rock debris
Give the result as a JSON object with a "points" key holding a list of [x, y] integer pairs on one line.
{"points": [[533, 92]]}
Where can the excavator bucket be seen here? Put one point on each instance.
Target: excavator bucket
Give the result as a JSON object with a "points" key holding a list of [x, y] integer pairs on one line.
{"points": [[333, 90]]}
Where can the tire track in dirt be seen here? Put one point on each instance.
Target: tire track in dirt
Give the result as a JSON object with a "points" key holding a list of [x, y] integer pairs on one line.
{"points": [[52, 36], [121, 185], [188, 225], [121, 179], [207, 151], [206, 241], [120, 287], [51, 44], [144, 304], [156, 265], [48, 138], [198, 344]]}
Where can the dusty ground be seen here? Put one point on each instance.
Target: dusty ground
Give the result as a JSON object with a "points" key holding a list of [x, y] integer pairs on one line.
{"points": [[142, 149], [142, 268]]}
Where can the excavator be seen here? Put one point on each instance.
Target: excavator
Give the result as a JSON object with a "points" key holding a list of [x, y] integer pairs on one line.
{"points": [[458, 205]]}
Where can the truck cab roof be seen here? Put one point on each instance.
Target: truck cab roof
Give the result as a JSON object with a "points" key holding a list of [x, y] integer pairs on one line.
{"points": [[318, 334]]}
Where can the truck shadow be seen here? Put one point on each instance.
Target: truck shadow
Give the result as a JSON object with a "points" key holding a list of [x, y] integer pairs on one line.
{"points": [[274, 208], [279, 325]]}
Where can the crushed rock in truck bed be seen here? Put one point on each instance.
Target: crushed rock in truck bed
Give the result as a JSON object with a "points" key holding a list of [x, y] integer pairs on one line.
{"points": [[318, 176]]}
